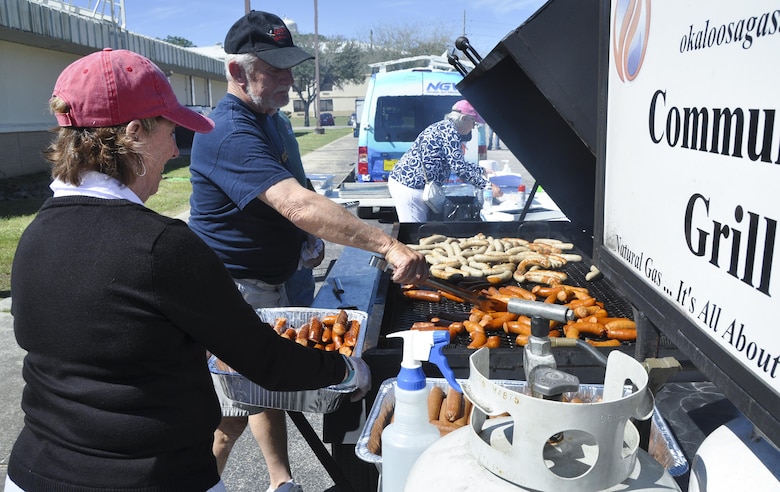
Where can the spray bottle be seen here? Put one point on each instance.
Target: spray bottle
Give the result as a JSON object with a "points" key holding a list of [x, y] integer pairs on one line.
{"points": [[410, 433]]}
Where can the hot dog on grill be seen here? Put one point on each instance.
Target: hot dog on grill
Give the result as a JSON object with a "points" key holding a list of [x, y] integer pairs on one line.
{"points": [[423, 295]]}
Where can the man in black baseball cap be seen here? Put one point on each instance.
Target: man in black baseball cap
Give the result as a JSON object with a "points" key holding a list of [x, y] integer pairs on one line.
{"points": [[251, 205], [266, 36]]}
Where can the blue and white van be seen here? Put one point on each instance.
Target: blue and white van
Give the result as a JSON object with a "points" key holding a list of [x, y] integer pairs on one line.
{"points": [[398, 106]]}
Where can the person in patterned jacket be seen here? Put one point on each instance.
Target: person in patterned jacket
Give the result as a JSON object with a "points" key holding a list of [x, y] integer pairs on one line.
{"points": [[435, 154]]}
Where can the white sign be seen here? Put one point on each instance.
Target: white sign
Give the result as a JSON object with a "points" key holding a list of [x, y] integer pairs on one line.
{"points": [[692, 170]]}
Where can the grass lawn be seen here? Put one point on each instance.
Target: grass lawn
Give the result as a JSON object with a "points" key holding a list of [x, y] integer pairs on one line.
{"points": [[22, 197]]}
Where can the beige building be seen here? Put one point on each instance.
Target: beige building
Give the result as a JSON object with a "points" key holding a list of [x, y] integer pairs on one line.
{"points": [[38, 39]]}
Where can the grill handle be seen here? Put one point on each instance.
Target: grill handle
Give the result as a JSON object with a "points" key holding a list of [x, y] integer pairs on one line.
{"points": [[554, 312]]}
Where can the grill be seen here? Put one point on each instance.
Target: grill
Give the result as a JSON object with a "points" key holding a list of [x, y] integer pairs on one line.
{"points": [[401, 312]]}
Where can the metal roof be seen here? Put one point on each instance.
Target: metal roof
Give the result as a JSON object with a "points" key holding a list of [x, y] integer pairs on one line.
{"points": [[62, 27]]}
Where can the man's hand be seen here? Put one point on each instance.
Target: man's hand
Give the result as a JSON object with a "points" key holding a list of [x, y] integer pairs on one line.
{"points": [[410, 266]]}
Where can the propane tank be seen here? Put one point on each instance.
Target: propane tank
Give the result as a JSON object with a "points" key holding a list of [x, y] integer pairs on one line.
{"points": [[515, 454], [410, 433]]}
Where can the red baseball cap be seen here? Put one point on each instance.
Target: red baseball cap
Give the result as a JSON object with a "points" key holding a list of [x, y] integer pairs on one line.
{"points": [[114, 87], [465, 107]]}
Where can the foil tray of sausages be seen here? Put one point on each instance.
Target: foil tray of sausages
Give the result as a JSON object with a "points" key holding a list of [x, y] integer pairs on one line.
{"points": [[323, 400], [663, 447]]}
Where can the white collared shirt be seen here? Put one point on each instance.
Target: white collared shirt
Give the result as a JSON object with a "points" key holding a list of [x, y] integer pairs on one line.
{"points": [[96, 185]]}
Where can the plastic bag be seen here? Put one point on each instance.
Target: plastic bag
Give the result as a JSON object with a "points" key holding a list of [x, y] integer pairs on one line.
{"points": [[433, 196]]}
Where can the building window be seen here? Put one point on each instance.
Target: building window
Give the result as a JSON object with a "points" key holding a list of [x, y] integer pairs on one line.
{"points": [[298, 106], [326, 105]]}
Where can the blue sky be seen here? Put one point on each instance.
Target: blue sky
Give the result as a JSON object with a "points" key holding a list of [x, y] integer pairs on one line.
{"points": [[204, 22]]}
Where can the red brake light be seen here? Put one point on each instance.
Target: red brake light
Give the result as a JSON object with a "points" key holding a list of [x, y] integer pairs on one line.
{"points": [[362, 167]]}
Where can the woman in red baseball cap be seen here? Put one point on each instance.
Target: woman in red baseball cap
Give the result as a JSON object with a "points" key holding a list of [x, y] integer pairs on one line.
{"points": [[116, 305]]}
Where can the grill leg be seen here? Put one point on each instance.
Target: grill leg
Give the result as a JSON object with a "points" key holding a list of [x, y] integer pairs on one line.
{"points": [[316, 445]]}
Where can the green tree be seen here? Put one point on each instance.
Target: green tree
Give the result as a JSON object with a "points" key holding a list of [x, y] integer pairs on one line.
{"points": [[340, 60], [385, 42], [179, 41]]}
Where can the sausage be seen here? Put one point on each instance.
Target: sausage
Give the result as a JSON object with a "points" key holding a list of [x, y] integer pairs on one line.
{"points": [[545, 291], [585, 311], [466, 412], [604, 343], [338, 341], [375, 438], [517, 328], [564, 295], [622, 334], [454, 403], [552, 298], [424, 326], [521, 340], [327, 334], [290, 334], [340, 325], [315, 330], [423, 295], [435, 238], [579, 292], [329, 319], [493, 341], [591, 328], [472, 326], [584, 302], [571, 331], [351, 336], [498, 278], [457, 327], [601, 313], [516, 291], [445, 427], [303, 335], [549, 277], [498, 319], [543, 248], [435, 399], [620, 324], [280, 325], [345, 350], [452, 297], [478, 339]]}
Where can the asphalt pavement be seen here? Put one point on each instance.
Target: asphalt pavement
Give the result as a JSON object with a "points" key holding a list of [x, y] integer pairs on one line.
{"points": [[246, 470]]}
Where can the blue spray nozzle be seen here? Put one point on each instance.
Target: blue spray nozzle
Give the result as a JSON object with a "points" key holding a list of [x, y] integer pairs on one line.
{"points": [[440, 339], [419, 346]]}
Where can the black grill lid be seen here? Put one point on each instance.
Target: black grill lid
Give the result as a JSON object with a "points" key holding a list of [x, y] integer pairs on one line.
{"points": [[538, 89]]}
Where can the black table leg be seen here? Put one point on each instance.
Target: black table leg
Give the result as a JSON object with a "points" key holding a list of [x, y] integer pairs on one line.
{"points": [[316, 445]]}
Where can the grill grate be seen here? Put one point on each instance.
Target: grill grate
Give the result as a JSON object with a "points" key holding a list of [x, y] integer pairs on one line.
{"points": [[401, 312]]}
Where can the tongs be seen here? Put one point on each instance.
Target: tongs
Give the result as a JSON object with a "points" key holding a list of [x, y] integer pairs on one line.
{"points": [[480, 301]]}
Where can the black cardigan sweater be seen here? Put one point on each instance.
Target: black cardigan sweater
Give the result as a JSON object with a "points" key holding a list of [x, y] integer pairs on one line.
{"points": [[116, 306]]}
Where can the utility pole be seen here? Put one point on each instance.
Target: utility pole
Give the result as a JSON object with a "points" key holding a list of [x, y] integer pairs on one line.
{"points": [[317, 129], [247, 7]]}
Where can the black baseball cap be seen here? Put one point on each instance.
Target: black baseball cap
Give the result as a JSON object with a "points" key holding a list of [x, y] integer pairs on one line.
{"points": [[267, 36]]}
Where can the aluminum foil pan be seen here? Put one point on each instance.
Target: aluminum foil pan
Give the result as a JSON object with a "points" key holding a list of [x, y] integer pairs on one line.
{"points": [[663, 447], [323, 400]]}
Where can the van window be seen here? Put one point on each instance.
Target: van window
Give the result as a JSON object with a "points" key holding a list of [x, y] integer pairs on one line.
{"points": [[403, 118]]}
